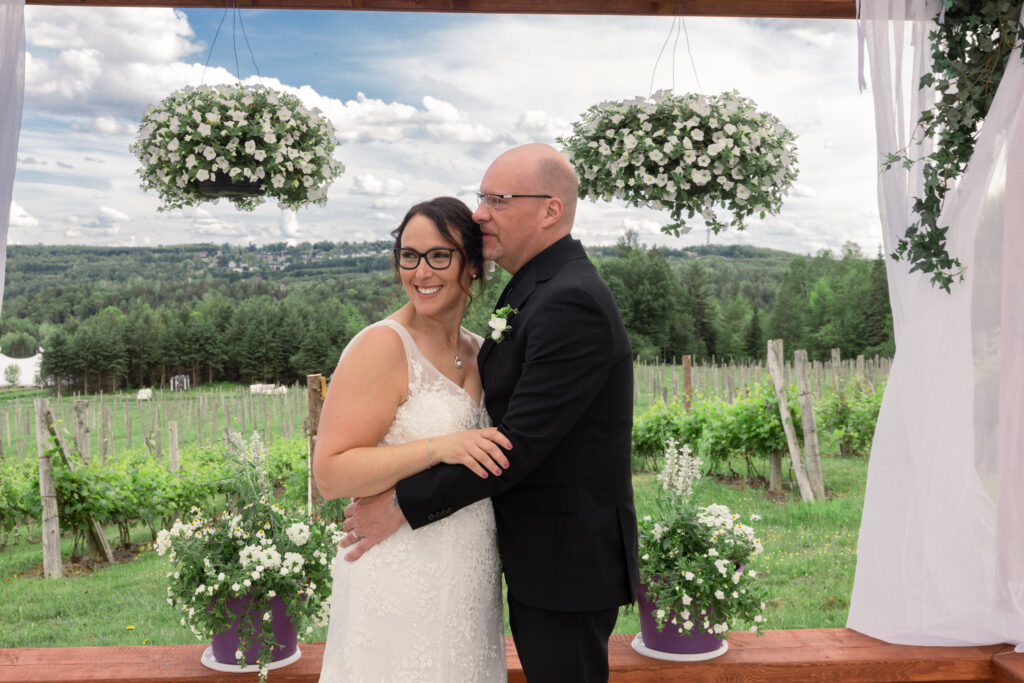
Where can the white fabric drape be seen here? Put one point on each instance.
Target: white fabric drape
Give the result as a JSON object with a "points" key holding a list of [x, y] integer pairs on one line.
{"points": [[12, 91], [941, 550]]}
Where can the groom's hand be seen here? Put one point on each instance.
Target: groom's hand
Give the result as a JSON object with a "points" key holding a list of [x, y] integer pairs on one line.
{"points": [[368, 521]]}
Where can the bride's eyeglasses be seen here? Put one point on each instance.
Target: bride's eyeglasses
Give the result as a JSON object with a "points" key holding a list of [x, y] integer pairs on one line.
{"points": [[437, 258]]}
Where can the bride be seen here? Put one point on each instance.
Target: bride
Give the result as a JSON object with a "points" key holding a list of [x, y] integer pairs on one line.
{"points": [[423, 605]]}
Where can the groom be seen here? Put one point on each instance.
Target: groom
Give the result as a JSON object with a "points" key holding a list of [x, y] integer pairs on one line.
{"points": [[559, 384]]}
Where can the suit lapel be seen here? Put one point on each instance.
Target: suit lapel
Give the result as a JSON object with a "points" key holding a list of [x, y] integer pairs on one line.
{"points": [[523, 283]]}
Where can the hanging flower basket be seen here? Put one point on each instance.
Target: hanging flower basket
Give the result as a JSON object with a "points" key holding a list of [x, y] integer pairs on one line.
{"points": [[245, 143], [689, 154]]}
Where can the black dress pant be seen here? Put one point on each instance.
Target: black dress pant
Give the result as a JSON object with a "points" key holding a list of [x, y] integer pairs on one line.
{"points": [[561, 647]]}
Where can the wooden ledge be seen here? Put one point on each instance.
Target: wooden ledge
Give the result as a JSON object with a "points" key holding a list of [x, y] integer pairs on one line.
{"points": [[799, 655]]}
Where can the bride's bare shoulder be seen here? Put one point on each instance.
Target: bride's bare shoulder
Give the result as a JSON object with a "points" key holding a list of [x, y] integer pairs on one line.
{"points": [[375, 347]]}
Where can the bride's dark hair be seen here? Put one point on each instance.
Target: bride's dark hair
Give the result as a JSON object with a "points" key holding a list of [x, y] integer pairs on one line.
{"points": [[454, 221]]}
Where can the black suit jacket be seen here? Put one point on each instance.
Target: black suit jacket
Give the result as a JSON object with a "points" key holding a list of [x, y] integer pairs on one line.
{"points": [[560, 387]]}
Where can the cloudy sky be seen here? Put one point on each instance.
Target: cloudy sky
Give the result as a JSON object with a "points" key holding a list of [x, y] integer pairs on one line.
{"points": [[422, 103]]}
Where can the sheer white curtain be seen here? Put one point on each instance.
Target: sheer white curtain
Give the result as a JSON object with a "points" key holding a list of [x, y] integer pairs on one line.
{"points": [[12, 90], [941, 551]]}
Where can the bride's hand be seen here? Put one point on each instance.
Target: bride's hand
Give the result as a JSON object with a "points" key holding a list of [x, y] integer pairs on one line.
{"points": [[477, 449]]}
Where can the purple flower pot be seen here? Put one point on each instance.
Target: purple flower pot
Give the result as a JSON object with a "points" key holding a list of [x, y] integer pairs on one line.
{"points": [[669, 639], [225, 643]]}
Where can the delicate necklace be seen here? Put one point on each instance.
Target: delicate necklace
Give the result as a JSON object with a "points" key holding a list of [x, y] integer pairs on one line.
{"points": [[458, 359]]}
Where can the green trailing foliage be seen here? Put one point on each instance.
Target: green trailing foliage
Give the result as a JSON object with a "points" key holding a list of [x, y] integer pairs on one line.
{"points": [[971, 46]]}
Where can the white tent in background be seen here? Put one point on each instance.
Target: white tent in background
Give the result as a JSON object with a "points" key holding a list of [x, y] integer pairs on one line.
{"points": [[28, 370]]}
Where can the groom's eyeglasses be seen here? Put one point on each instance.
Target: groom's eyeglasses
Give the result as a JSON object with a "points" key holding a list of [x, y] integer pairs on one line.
{"points": [[500, 201], [437, 258]]}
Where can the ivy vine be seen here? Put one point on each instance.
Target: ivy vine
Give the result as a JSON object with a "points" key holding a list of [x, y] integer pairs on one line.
{"points": [[970, 50]]}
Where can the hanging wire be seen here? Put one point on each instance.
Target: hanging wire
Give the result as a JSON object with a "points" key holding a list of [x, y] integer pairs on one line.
{"points": [[676, 43], [650, 90], [235, 14], [234, 40], [251, 55], [212, 43], [693, 64], [678, 21]]}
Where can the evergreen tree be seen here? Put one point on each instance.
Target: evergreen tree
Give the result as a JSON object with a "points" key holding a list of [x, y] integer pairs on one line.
{"points": [[754, 343], [789, 319], [699, 306], [18, 344]]}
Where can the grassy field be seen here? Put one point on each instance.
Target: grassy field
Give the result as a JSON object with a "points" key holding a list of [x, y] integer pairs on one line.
{"points": [[807, 566]]}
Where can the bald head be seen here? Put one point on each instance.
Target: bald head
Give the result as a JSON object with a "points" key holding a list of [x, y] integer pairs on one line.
{"points": [[550, 172]]}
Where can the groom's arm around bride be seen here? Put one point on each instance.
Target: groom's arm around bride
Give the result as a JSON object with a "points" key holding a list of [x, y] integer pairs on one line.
{"points": [[559, 385]]}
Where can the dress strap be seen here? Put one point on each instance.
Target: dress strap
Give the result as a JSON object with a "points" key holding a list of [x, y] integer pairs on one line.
{"points": [[407, 340]]}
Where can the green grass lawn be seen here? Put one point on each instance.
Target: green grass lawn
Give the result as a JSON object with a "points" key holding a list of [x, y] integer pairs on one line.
{"points": [[807, 566]]}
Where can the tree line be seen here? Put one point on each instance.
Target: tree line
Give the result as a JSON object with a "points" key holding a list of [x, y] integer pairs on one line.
{"points": [[114, 328], [695, 306]]}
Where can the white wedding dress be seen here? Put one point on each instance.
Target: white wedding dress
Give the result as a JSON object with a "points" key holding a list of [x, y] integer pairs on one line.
{"points": [[423, 605]]}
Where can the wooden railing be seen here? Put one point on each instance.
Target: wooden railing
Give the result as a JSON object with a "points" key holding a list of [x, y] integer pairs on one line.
{"points": [[777, 656]]}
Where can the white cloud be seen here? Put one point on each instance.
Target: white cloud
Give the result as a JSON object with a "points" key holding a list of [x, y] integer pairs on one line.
{"points": [[111, 126], [382, 217], [371, 185], [109, 216], [19, 218], [386, 203], [539, 126], [106, 222], [289, 223], [205, 225]]}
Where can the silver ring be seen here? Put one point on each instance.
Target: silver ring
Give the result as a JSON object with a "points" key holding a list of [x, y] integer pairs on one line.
{"points": [[358, 537]]}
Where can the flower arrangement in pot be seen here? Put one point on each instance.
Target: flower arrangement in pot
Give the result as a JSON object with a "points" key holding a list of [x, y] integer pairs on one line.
{"points": [[235, 575], [695, 569], [690, 154], [249, 142]]}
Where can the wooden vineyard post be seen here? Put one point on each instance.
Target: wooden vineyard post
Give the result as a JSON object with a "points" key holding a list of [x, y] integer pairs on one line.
{"points": [[48, 497], [687, 382], [172, 437], [127, 424], [82, 437], [107, 449], [96, 540], [836, 370], [266, 418], [775, 367], [811, 451], [636, 384], [316, 387]]}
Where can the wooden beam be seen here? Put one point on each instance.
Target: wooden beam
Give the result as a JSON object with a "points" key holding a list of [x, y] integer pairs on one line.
{"points": [[780, 656], [798, 9]]}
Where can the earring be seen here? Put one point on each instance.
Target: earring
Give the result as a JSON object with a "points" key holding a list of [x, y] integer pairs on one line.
{"points": [[474, 276]]}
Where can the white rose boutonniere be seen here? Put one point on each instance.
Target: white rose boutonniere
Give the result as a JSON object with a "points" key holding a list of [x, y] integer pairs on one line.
{"points": [[499, 323]]}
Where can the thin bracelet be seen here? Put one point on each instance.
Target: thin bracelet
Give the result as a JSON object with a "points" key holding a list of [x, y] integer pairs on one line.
{"points": [[429, 461]]}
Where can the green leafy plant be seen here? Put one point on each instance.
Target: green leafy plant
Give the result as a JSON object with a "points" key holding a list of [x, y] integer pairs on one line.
{"points": [[696, 562], [244, 133], [850, 412], [689, 154], [970, 49]]}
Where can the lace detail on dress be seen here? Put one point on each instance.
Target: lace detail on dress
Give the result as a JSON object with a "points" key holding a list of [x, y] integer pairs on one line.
{"points": [[422, 605]]}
